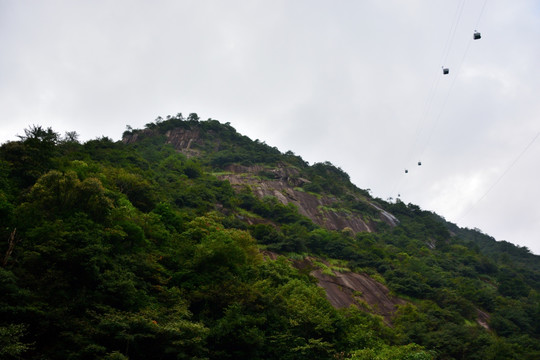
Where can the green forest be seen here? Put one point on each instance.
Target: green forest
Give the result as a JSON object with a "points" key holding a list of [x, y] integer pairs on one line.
{"points": [[134, 249]]}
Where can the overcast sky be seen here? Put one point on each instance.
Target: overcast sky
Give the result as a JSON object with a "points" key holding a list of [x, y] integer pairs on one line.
{"points": [[354, 82]]}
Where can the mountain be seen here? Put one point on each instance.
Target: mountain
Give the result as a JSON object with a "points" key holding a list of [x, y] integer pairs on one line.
{"points": [[189, 240]]}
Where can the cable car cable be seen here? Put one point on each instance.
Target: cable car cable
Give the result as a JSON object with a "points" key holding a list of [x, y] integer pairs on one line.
{"points": [[499, 178], [451, 37], [431, 94], [481, 13], [452, 85], [437, 119], [452, 33]]}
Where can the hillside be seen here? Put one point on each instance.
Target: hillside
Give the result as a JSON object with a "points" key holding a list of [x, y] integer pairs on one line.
{"points": [[189, 240]]}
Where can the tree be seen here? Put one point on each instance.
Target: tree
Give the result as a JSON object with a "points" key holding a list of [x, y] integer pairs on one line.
{"points": [[71, 137], [193, 117], [33, 155], [11, 344]]}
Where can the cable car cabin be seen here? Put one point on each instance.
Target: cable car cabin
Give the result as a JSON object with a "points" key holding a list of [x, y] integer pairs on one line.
{"points": [[445, 71], [419, 163], [477, 35], [406, 171]]}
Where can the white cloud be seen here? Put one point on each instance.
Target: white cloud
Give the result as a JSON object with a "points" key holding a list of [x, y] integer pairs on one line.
{"points": [[455, 195]]}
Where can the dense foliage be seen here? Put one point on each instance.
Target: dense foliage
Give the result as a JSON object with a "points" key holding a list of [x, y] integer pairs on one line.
{"points": [[117, 251]]}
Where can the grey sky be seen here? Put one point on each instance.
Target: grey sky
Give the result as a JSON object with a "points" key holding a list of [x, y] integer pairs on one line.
{"points": [[357, 83]]}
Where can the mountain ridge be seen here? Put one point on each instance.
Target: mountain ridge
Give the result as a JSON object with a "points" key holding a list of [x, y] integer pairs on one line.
{"points": [[154, 247]]}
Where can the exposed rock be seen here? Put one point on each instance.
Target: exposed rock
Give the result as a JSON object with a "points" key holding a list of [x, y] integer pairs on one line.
{"points": [[283, 186], [184, 139], [283, 182], [270, 254], [386, 216], [431, 243], [346, 289], [132, 137], [483, 319]]}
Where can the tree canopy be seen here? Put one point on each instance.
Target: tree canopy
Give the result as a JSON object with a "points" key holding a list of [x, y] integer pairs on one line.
{"points": [[133, 250]]}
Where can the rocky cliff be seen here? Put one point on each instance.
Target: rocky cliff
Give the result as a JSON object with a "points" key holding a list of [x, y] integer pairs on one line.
{"points": [[346, 288], [282, 181]]}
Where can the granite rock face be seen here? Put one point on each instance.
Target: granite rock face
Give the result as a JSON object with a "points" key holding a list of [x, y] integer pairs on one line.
{"points": [[283, 182], [285, 187], [347, 288]]}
